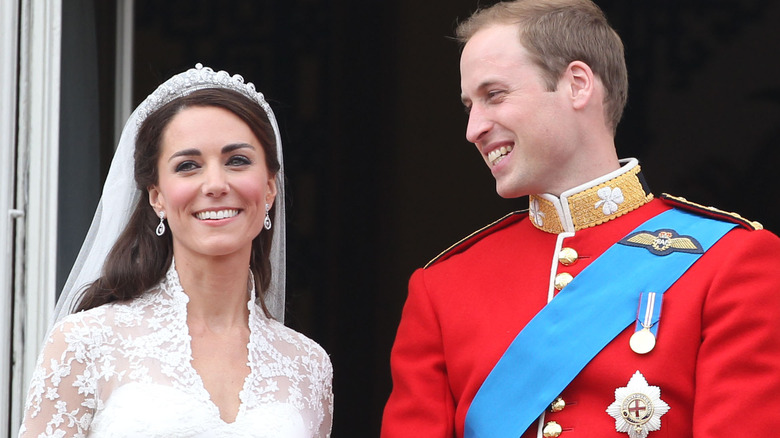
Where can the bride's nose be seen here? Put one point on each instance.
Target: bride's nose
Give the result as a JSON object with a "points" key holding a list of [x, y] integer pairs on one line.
{"points": [[215, 183]]}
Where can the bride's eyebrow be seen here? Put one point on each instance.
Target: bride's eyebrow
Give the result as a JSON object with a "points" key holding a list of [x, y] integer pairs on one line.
{"points": [[232, 147], [192, 152], [185, 153]]}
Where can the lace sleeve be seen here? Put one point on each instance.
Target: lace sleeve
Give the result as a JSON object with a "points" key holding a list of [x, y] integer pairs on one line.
{"points": [[326, 386], [63, 391]]}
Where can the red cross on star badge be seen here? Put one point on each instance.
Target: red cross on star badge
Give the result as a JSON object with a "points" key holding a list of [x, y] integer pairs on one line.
{"points": [[638, 407]]}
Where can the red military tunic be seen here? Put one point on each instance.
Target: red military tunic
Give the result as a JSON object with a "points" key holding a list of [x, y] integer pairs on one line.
{"points": [[717, 357]]}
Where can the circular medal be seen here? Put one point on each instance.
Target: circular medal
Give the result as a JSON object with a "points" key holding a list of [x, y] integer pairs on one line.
{"points": [[643, 341]]}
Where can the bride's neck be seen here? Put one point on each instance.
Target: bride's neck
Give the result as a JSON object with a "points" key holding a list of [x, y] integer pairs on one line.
{"points": [[217, 289]]}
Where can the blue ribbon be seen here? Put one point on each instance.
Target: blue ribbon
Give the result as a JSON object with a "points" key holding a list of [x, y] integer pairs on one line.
{"points": [[652, 323], [578, 323]]}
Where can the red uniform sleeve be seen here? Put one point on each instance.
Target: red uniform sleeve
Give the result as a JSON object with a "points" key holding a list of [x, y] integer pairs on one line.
{"points": [[738, 367], [421, 403]]}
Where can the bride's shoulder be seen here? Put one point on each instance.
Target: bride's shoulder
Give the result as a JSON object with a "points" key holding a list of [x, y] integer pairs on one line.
{"points": [[99, 319], [297, 340], [77, 331], [93, 316]]}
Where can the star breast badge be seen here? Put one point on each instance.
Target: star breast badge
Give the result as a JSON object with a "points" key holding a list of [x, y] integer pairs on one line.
{"points": [[638, 407]]}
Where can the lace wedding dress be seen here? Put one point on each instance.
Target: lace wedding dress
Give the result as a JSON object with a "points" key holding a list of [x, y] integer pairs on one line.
{"points": [[124, 370]]}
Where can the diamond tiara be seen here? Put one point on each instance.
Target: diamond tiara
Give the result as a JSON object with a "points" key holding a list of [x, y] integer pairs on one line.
{"points": [[198, 78]]}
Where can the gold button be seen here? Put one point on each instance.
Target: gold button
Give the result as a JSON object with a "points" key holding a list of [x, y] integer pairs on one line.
{"points": [[567, 256], [557, 405], [562, 279], [552, 429]]}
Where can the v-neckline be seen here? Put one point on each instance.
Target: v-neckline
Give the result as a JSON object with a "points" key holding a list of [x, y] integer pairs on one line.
{"points": [[204, 394]]}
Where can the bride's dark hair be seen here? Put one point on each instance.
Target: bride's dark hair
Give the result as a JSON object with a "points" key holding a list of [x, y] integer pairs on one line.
{"points": [[139, 259]]}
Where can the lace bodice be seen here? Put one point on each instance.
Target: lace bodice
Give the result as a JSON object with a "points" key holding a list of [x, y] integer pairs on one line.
{"points": [[124, 370]]}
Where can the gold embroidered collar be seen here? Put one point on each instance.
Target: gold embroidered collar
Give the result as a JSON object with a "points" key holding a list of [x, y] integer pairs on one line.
{"points": [[591, 204]]}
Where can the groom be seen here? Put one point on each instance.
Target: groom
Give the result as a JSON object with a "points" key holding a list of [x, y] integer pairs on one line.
{"points": [[605, 310]]}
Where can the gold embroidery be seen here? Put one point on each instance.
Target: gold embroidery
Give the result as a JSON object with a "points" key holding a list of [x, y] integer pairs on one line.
{"points": [[545, 216], [597, 204], [738, 218]]}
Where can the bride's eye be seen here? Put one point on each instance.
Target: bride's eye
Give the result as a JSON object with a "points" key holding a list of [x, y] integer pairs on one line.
{"points": [[239, 160], [186, 166]]}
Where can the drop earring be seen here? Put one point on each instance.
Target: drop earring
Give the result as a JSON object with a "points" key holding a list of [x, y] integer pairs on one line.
{"points": [[160, 230], [267, 221]]}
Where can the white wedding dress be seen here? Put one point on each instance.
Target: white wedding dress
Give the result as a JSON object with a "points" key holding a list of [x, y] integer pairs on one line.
{"points": [[124, 370]]}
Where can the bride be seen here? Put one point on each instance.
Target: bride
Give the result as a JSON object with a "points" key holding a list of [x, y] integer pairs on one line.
{"points": [[178, 333]]}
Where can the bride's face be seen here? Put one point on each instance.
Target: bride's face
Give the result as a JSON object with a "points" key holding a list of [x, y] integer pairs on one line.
{"points": [[213, 183]]}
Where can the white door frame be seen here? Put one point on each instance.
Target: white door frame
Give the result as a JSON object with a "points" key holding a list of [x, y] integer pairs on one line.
{"points": [[9, 23], [36, 188], [29, 137]]}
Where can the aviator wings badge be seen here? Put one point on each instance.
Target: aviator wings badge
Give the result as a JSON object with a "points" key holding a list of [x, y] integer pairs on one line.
{"points": [[638, 407], [663, 242]]}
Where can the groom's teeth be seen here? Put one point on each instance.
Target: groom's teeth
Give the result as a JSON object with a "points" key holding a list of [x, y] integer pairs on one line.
{"points": [[495, 155]]}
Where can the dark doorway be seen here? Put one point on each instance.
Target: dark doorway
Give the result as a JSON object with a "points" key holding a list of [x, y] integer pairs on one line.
{"points": [[381, 178]]}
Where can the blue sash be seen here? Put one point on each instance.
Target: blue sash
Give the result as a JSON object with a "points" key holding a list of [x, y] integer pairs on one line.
{"points": [[581, 320]]}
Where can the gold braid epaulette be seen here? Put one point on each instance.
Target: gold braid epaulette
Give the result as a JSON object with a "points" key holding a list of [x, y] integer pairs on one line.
{"points": [[711, 212], [473, 237]]}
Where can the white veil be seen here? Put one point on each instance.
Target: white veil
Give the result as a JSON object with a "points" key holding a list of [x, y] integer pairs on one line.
{"points": [[120, 193]]}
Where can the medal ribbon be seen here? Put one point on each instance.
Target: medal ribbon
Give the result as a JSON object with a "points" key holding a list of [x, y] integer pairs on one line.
{"points": [[578, 323], [651, 303]]}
